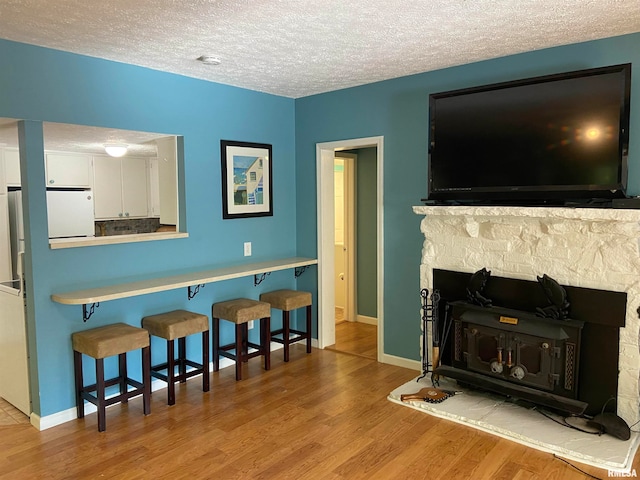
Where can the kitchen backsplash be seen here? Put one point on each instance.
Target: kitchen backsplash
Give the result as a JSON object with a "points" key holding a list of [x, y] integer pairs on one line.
{"points": [[126, 227]]}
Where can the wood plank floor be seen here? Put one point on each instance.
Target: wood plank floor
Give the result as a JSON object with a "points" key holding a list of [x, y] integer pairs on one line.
{"points": [[356, 338], [321, 416], [10, 415]]}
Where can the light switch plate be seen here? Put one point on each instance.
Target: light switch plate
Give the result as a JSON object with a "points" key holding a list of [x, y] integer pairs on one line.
{"points": [[247, 249]]}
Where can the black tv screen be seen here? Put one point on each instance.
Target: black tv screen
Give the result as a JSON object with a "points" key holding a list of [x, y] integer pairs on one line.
{"points": [[553, 138]]}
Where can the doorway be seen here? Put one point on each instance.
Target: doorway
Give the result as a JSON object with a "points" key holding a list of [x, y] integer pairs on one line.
{"points": [[344, 228], [328, 274]]}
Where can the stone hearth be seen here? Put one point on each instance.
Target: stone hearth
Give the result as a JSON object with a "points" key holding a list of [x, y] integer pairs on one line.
{"points": [[582, 247]]}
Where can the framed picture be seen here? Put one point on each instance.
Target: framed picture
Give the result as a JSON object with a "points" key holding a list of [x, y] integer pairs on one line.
{"points": [[246, 179]]}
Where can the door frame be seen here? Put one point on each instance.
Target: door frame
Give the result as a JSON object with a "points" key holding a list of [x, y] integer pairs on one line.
{"points": [[325, 153]]}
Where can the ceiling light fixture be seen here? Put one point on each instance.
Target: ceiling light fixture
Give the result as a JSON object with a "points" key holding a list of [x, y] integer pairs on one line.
{"points": [[116, 149], [209, 60]]}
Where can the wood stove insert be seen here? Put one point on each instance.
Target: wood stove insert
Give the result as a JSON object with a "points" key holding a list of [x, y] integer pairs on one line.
{"points": [[567, 364], [517, 353]]}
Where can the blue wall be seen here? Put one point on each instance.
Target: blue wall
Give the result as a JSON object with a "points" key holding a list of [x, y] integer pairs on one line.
{"points": [[45, 85], [398, 110], [366, 233], [366, 237]]}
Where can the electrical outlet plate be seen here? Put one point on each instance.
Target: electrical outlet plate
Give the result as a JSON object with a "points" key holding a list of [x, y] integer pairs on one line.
{"points": [[247, 249], [250, 326]]}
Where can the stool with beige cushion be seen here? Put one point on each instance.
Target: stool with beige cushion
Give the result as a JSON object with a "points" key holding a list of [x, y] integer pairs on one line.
{"points": [[241, 311], [108, 341], [287, 301], [177, 325]]}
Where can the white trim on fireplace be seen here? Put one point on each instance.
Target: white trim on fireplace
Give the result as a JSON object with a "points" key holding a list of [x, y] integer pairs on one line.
{"points": [[325, 153]]}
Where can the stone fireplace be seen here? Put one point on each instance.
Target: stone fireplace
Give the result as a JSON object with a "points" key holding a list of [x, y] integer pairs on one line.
{"points": [[587, 248]]}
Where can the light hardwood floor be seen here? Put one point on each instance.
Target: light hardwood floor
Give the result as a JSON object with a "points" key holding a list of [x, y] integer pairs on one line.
{"points": [[9, 415], [321, 416], [356, 338]]}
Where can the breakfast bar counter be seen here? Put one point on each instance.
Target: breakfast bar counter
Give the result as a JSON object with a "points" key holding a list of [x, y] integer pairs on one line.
{"points": [[191, 280]]}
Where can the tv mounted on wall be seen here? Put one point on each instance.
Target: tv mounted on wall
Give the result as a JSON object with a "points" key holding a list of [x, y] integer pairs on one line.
{"points": [[554, 139]]}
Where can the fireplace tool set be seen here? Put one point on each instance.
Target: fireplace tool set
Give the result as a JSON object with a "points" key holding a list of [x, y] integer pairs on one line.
{"points": [[431, 316]]}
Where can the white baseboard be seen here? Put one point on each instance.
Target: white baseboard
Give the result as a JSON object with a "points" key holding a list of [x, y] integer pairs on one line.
{"points": [[367, 320], [42, 423], [58, 418], [402, 362]]}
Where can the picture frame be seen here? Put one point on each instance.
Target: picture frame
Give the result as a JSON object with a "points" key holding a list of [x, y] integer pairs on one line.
{"points": [[247, 183]]}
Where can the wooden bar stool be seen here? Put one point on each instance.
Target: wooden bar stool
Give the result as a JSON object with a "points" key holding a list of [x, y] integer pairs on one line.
{"points": [[179, 324], [240, 312], [107, 341], [287, 301]]}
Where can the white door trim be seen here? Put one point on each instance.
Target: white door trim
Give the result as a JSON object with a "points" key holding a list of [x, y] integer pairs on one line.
{"points": [[325, 153]]}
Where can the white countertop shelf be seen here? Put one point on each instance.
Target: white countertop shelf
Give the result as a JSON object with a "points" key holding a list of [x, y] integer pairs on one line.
{"points": [[171, 282]]}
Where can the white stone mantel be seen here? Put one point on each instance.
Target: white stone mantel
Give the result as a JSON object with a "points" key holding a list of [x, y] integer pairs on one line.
{"points": [[583, 247], [595, 214]]}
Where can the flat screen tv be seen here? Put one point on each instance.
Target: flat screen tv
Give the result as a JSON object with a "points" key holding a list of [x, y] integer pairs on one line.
{"points": [[546, 140]]}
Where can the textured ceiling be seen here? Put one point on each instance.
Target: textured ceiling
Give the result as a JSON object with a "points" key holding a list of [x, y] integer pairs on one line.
{"points": [[81, 138], [296, 48]]}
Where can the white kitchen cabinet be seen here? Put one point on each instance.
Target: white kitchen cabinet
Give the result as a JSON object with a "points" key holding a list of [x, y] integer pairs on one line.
{"points": [[120, 187], [68, 170], [135, 192], [12, 167], [107, 187], [167, 178], [154, 188]]}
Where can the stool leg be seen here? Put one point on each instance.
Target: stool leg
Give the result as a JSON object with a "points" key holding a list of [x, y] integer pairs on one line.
{"points": [[262, 336], [308, 328], [182, 357], [205, 361], [285, 333], [77, 367], [146, 379], [239, 350], [102, 421], [265, 341], [245, 342], [215, 322], [171, 388], [122, 371]]}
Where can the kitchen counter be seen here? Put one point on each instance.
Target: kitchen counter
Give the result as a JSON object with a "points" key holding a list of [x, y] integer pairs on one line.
{"points": [[58, 243]]}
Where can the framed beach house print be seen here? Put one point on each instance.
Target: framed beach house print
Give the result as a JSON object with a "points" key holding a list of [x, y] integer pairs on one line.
{"points": [[246, 179]]}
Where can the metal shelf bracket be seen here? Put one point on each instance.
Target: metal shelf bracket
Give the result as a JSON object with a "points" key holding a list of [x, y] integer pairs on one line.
{"points": [[86, 314], [192, 291], [300, 270], [259, 278]]}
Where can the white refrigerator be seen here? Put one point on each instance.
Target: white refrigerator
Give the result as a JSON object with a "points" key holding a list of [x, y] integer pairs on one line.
{"points": [[70, 213], [6, 270], [16, 229]]}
